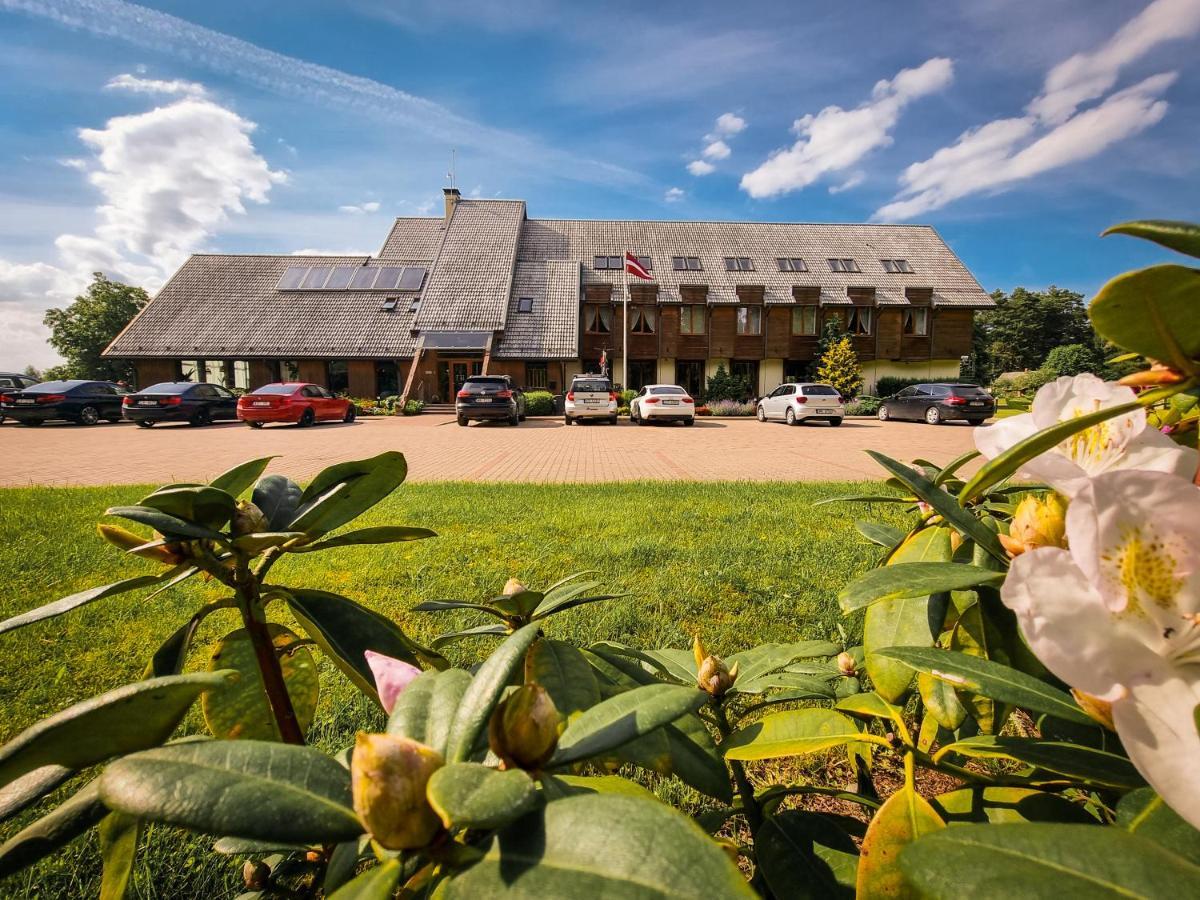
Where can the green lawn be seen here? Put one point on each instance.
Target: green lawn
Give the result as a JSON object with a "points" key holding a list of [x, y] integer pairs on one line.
{"points": [[739, 563]]}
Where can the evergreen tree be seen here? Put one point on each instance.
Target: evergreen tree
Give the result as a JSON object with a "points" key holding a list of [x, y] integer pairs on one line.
{"points": [[840, 369], [724, 386]]}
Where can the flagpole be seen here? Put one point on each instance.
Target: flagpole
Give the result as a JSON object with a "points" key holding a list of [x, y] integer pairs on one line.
{"points": [[625, 326]]}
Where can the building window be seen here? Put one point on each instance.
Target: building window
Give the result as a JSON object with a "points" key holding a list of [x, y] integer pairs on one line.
{"points": [[859, 321], [387, 379], [641, 372], [646, 263], [608, 262], [685, 263], [337, 376], [641, 320], [747, 369], [536, 376], [191, 370], [749, 320], [691, 319], [916, 321], [598, 319], [804, 320], [739, 264], [525, 305], [897, 266], [791, 264], [843, 265], [689, 375], [289, 370], [241, 375], [214, 371]]}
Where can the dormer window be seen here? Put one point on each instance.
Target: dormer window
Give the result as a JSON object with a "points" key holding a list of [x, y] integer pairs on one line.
{"points": [[897, 266], [611, 263], [685, 263], [843, 265], [791, 264], [525, 305], [739, 264]]}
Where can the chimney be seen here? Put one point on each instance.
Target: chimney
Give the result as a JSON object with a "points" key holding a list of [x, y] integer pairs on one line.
{"points": [[452, 196]]}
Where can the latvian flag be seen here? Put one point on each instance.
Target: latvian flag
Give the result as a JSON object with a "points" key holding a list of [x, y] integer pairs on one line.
{"points": [[603, 359], [633, 267]]}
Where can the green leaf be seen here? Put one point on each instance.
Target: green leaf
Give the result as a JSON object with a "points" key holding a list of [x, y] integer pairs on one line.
{"points": [[564, 596], [954, 465], [990, 679], [18, 794], [468, 795], [345, 491], [865, 498], [241, 710], [450, 637], [377, 883], [905, 817], [66, 604], [913, 579], [1182, 237], [169, 525], [869, 706], [521, 604], [620, 719], [791, 733], [815, 687], [944, 504], [1152, 312], [1072, 760], [565, 674], [258, 541], [769, 658], [1006, 805], [345, 631], [570, 785], [485, 691], [277, 498], [200, 504], [445, 605], [258, 790], [941, 701], [119, 835], [128, 718], [171, 656], [806, 856], [1044, 862], [879, 533], [237, 481], [383, 534], [53, 830], [1144, 813], [601, 845], [426, 708]]}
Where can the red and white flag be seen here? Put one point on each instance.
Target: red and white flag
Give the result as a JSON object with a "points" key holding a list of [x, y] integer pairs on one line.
{"points": [[633, 267], [603, 360]]}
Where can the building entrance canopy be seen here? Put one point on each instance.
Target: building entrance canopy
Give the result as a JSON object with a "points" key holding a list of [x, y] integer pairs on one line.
{"points": [[456, 340]]}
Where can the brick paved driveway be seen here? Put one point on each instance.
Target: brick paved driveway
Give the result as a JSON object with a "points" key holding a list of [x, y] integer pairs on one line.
{"points": [[438, 450]]}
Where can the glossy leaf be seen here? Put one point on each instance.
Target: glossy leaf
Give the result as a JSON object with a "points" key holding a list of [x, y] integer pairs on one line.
{"points": [[377, 883], [869, 706], [259, 790], [426, 708], [991, 679], [119, 835], [484, 692], [767, 658], [620, 719], [913, 579], [1044, 862], [164, 522], [1006, 805], [29, 788], [521, 604], [879, 533], [1144, 813], [241, 710], [1152, 311], [278, 498], [128, 718], [53, 830], [806, 856], [1072, 760], [238, 480], [74, 601], [202, 504], [814, 686], [169, 659], [565, 596], [256, 542], [941, 701], [791, 733], [1182, 237], [903, 818], [559, 786], [468, 795], [383, 534], [497, 630], [565, 674], [600, 845], [345, 491]]}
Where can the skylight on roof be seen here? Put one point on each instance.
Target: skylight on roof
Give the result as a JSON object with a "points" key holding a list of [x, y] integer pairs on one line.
{"points": [[791, 264], [843, 265], [897, 266], [739, 264], [412, 278], [292, 277], [524, 304]]}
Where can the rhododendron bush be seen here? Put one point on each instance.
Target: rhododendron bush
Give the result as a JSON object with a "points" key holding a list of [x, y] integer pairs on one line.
{"points": [[1030, 663]]}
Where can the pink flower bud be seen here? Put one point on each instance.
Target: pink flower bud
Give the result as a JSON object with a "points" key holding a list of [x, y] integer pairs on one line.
{"points": [[392, 676]]}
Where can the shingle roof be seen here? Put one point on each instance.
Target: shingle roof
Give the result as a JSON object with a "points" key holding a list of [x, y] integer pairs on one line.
{"points": [[411, 237], [551, 329]]}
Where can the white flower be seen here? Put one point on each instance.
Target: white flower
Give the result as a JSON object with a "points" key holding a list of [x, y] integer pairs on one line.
{"points": [[1123, 442], [1118, 616]]}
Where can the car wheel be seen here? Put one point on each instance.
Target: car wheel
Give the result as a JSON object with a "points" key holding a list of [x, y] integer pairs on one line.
{"points": [[882, 414], [255, 424], [933, 416], [201, 418], [89, 415], [145, 423], [975, 421], [689, 422], [351, 413], [612, 420], [307, 418], [642, 420], [462, 420], [514, 419], [790, 416], [762, 413], [566, 420], [835, 422]]}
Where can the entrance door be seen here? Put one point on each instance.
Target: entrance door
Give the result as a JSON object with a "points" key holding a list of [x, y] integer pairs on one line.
{"points": [[453, 373]]}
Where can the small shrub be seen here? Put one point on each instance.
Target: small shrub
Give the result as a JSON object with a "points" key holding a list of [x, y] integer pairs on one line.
{"points": [[625, 398], [840, 368], [724, 386], [863, 406], [539, 403], [731, 408], [1072, 359], [365, 407], [412, 408], [889, 385]]}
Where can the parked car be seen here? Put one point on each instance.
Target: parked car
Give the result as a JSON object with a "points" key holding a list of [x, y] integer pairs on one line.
{"points": [[13, 381], [590, 397], [797, 402], [84, 402], [662, 403], [937, 403], [294, 403], [489, 397], [180, 401]]}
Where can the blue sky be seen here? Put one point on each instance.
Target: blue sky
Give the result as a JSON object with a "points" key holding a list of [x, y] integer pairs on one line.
{"points": [[131, 136]]}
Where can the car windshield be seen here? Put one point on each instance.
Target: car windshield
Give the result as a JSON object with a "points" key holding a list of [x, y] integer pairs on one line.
{"points": [[168, 387], [967, 390], [599, 387], [54, 387], [819, 390], [276, 389], [482, 385], [668, 390]]}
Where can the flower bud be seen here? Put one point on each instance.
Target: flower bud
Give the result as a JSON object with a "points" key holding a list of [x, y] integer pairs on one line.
{"points": [[513, 586], [1038, 522], [1099, 710], [847, 665], [168, 554], [248, 519], [255, 875], [714, 676], [523, 730], [1157, 374], [388, 777]]}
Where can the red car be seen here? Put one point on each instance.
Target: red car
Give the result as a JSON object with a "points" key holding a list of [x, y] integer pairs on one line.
{"points": [[295, 403]]}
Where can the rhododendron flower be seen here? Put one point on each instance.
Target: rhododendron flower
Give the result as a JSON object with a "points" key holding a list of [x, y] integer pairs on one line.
{"points": [[1122, 442], [1117, 616], [391, 677]]}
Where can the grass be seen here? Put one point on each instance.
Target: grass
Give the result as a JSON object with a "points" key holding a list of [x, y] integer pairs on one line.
{"points": [[739, 563]]}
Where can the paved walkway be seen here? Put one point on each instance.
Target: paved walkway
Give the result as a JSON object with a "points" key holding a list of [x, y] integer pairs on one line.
{"points": [[540, 450]]}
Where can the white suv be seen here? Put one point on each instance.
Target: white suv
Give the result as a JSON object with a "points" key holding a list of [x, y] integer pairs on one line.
{"points": [[590, 397], [797, 401]]}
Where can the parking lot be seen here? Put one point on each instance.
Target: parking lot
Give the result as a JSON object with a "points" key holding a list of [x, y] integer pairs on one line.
{"points": [[540, 450]]}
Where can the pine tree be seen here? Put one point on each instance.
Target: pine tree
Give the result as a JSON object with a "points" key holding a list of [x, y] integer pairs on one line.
{"points": [[840, 369]]}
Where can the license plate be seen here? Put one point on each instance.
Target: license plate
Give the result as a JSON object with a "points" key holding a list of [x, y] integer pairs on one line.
{"points": [[483, 400], [826, 412], [591, 402], [147, 403], [261, 403], [22, 401], [976, 403], [670, 403]]}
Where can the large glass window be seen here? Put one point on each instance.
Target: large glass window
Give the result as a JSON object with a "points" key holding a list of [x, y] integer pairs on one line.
{"points": [[337, 376], [598, 319], [641, 320], [289, 370], [191, 370], [749, 320], [241, 375], [804, 320], [387, 379], [916, 321], [689, 374], [641, 372], [860, 320], [747, 369], [691, 319], [214, 371]]}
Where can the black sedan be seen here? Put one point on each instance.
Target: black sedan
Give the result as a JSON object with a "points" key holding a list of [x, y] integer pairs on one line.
{"points": [[181, 401], [937, 403], [489, 397], [11, 382], [85, 402]]}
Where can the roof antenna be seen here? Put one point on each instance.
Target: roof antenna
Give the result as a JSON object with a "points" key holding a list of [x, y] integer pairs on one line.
{"points": [[450, 174]]}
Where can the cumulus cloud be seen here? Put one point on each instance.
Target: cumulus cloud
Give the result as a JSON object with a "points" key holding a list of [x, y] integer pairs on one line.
{"points": [[730, 124], [1054, 133], [358, 209], [138, 85], [716, 150], [674, 195], [700, 167], [836, 139], [716, 147], [26, 292]]}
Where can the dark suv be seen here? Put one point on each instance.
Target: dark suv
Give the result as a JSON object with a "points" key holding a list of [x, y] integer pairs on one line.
{"points": [[937, 403], [489, 397]]}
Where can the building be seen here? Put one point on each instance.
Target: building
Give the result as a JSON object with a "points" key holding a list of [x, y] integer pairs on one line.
{"points": [[485, 289]]}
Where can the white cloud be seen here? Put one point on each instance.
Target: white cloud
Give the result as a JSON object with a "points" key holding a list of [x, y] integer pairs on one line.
{"points": [[358, 209], [715, 145], [836, 139], [730, 124], [674, 195], [700, 167], [1053, 133], [853, 181], [26, 292], [716, 150], [138, 85]]}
